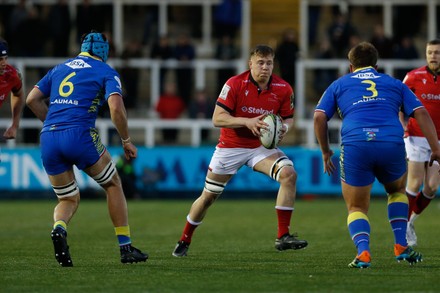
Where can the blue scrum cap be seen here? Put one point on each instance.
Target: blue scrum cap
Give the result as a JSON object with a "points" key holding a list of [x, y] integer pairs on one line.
{"points": [[3, 48], [95, 44]]}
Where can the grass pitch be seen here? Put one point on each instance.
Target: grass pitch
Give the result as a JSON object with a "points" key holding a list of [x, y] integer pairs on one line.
{"points": [[232, 251]]}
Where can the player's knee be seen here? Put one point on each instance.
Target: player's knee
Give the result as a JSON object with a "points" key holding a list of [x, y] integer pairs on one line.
{"points": [[214, 187], [107, 175], [282, 170], [66, 191]]}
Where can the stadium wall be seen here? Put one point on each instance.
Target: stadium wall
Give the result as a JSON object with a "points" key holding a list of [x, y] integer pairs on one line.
{"points": [[179, 172]]}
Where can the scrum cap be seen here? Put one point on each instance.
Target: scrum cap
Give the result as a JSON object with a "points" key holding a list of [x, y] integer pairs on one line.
{"points": [[95, 44], [3, 48]]}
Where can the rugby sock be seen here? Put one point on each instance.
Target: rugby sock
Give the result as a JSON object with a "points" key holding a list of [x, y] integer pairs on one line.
{"points": [[359, 228], [284, 214], [411, 201], [398, 216], [422, 201], [61, 224], [188, 231], [123, 234]]}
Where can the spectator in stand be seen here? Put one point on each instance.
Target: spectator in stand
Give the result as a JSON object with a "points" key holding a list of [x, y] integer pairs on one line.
{"points": [[339, 33], [286, 54], [383, 44], [225, 51], [163, 50], [59, 28], [227, 18], [324, 77], [170, 106], [201, 107], [31, 41], [406, 50], [18, 15], [184, 51], [130, 75]]}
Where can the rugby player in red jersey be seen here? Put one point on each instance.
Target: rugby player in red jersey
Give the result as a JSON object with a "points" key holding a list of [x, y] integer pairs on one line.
{"points": [[242, 104], [425, 83], [10, 83]]}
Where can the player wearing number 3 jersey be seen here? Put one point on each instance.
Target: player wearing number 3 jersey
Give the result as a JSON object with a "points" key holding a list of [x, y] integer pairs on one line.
{"points": [[77, 88], [372, 146]]}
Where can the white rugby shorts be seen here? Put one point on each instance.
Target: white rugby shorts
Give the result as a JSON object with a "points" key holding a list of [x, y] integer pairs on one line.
{"points": [[417, 149], [227, 161]]}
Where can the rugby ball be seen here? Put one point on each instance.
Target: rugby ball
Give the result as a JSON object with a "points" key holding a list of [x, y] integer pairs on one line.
{"points": [[270, 137]]}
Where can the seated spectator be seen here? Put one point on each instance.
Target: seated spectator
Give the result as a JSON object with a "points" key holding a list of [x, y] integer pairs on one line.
{"points": [[286, 54], [201, 107], [383, 44], [405, 50], [339, 33], [170, 106]]}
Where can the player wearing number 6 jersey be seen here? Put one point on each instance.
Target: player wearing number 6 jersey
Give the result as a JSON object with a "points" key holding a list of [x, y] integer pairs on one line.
{"points": [[77, 88], [372, 146]]}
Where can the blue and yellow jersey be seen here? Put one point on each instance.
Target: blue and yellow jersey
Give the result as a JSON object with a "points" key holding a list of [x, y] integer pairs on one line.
{"points": [[77, 89], [368, 103]]}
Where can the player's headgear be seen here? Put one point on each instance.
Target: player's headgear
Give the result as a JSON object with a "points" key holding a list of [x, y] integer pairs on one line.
{"points": [[95, 44], [3, 48]]}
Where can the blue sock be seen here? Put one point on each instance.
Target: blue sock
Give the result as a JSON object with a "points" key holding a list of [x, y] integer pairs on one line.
{"points": [[398, 216], [359, 228]]}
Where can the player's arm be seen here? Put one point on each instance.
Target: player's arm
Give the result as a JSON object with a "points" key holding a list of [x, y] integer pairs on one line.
{"points": [[321, 132], [118, 115], [222, 118], [36, 102], [17, 104]]}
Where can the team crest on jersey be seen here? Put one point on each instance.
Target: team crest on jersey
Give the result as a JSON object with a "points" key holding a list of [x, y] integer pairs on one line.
{"points": [[224, 92], [78, 64]]}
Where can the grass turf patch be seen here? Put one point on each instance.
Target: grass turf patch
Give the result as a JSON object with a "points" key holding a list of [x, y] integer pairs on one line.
{"points": [[232, 251]]}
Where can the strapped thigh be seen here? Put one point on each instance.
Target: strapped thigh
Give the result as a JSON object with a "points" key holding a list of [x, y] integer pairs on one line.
{"points": [[68, 190], [279, 164], [106, 174]]}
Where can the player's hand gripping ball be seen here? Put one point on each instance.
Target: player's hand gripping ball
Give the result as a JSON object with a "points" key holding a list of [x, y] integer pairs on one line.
{"points": [[270, 137]]}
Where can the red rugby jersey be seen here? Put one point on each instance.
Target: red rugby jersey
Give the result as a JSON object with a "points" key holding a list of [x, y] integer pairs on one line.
{"points": [[10, 80], [241, 97], [425, 84]]}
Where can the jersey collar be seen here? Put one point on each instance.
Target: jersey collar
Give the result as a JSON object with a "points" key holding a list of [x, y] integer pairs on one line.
{"points": [[362, 68], [256, 83], [86, 54]]}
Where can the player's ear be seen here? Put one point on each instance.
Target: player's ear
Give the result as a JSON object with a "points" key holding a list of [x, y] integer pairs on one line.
{"points": [[351, 68]]}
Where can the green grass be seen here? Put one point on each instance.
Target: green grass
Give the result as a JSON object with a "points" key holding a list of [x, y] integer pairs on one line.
{"points": [[233, 251]]}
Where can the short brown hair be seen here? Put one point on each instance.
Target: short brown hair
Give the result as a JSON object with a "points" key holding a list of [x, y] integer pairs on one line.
{"points": [[433, 42], [262, 50], [363, 54]]}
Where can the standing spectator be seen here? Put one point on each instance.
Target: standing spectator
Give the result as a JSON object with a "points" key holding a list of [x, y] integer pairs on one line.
{"points": [[371, 146], [423, 179], [130, 75], [201, 107], [286, 54], [227, 18], [383, 43], [31, 43], [239, 145], [162, 50], [59, 28], [225, 51], [10, 85], [128, 176], [405, 50], [77, 88], [184, 52], [170, 106], [324, 77], [339, 33]]}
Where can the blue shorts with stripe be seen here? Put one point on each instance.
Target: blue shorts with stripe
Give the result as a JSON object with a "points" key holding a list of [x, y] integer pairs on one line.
{"points": [[362, 162], [61, 149]]}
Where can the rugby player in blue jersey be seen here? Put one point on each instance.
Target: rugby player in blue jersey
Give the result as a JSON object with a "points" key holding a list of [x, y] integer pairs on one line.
{"points": [[372, 146], [77, 89]]}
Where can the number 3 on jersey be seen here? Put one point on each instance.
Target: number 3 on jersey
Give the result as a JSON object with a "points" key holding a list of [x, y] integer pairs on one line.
{"points": [[371, 88], [66, 87]]}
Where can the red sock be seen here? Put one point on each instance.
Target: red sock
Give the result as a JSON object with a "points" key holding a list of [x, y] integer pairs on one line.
{"points": [[284, 217], [421, 202], [411, 203], [188, 232]]}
